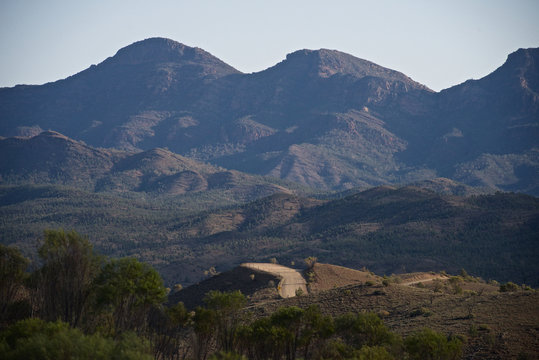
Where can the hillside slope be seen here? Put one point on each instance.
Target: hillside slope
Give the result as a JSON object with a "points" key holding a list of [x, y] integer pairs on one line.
{"points": [[322, 118], [54, 159], [388, 230]]}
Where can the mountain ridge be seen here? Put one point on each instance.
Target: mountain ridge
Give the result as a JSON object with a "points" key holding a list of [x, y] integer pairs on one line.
{"points": [[319, 117], [53, 158]]}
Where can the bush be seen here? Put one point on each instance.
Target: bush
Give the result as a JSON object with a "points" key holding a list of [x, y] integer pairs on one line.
{"points": [[363, 329], [508, 287], [222, 355], [421, 311], [37, 339], [374, 353], [310, 261], [12, 275], [430, 345], [128, 288]]}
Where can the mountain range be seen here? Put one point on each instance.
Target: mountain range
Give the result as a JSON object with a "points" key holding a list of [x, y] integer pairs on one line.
{"points": [[52, 158], [323, 118]]}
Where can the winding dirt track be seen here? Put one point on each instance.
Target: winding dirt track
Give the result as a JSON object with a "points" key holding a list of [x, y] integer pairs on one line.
{"points": [[292, 279], [424, 279]]}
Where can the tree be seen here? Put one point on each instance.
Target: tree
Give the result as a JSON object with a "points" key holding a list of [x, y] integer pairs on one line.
{"points": [[204, 328], [64, 283], [12, 275], [310, 261], [374, 353], [430, 345], [169, 327], [227, 307], [288, 323], [37, 339], [508, 287], [128, 289], [363, 329], [317, 329], [455, 282]]}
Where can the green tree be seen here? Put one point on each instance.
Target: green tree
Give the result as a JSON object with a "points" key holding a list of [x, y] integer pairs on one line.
{"points": [[37, 339], [204, 328], [310, 261], [12, 275], [223, 355], [288, 322], [64, 283], [508, 287], [169, 326], [128, 289], [227, 309], [317, 329], [363, 329], [430, 345], [374, 353]]}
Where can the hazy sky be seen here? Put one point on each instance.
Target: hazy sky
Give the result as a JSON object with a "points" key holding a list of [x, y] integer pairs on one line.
{"points": [[437, 43]]}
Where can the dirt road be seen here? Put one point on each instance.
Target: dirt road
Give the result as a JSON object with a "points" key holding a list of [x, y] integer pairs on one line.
{"points": [[292, 279], [422, 279]]}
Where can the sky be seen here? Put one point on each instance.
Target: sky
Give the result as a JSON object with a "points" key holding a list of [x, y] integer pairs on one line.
{"points": [[437, 43]]}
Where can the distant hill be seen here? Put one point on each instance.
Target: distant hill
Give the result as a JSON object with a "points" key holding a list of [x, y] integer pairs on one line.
{"points": [[321, 118], [389, 230], [464, 306], [52, 158], [386, 229]]}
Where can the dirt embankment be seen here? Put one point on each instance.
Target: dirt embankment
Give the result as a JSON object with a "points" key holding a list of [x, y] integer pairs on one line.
{"points": [[291, 279], [247, 280], [327, 276]]}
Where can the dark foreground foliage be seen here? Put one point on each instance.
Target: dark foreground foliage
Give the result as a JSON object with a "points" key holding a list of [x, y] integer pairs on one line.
{"points": [[79, 305]]}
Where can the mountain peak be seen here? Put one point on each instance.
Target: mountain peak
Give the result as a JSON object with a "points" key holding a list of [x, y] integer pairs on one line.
{"points": [[523, 57], [326, 63], [52, 134], [163, 50]]}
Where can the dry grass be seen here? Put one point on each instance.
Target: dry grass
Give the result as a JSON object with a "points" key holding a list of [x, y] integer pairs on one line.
{"points": [[494, 325], [328, 277]]}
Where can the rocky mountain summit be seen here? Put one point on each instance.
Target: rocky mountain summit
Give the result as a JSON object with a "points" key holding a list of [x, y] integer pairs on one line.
{"points": [[321, 118]]}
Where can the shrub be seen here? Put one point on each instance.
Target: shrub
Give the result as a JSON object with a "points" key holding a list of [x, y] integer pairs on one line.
{"points": [[508, 287], [222, 355], [363, 329], [374, 353], [64, 284], [421, 311], [37, 339], [12, 276], [430, 345], [454, 282], [437, 285]]}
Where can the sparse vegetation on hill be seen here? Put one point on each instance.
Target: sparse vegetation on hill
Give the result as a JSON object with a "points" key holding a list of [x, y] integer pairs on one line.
{"points": [[388, 230], [321, 118], [119, 309]]}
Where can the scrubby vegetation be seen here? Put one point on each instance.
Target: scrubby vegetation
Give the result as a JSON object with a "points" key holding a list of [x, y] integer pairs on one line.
{"points": [[80, 305], [389, 230]]}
